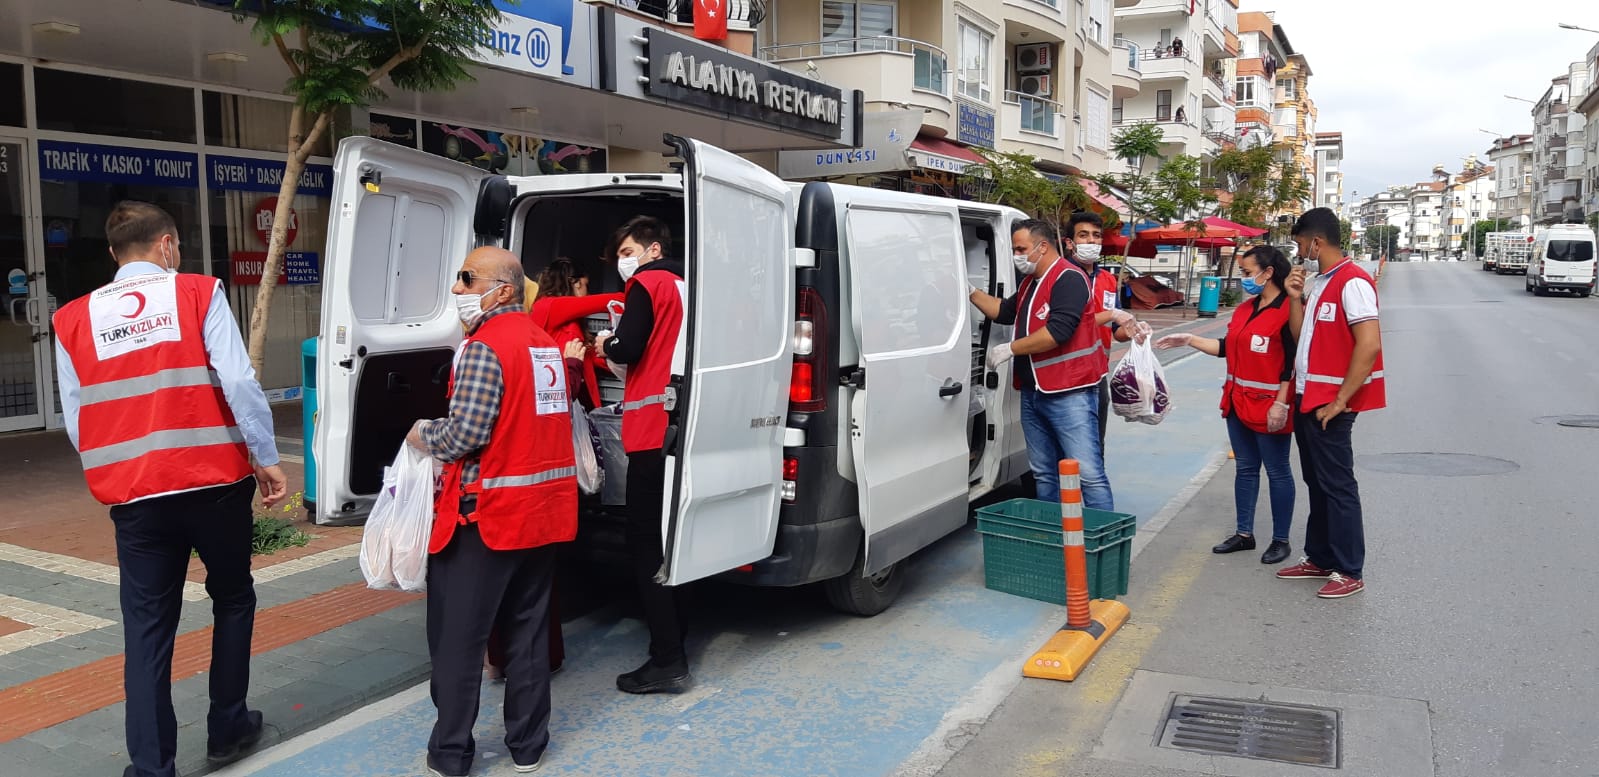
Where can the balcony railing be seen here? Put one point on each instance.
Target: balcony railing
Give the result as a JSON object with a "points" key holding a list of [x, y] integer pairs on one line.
{"points": [[1037, 113], [1183, 121], [931, 67], [1170, 51]]}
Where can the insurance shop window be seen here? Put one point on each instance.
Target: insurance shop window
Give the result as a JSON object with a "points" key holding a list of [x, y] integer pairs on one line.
{"points": [[241, 121], [101, 105], [12, 109]]}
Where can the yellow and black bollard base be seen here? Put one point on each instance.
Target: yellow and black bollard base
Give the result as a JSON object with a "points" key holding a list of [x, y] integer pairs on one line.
{"points": [[1067, 653]]}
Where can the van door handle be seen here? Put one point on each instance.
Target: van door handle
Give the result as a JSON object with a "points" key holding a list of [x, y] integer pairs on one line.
{"points": [[950, 389]]}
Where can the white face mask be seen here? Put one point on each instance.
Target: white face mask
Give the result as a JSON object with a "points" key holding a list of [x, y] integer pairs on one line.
{"points": [[627, 265], [166, 256], [1024, 262], [1089, 252], [470, 306]]}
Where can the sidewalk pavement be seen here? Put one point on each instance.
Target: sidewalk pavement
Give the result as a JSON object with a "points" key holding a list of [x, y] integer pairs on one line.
{"points": [[324, 644]]}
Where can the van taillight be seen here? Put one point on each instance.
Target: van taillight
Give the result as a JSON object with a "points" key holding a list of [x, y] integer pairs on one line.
{"points": [[806, 394], [790, 478]]}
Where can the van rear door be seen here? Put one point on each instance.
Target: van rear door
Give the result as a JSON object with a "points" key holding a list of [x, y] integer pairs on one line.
{"points": [[730, 374], [403, 222], [908, 410]]}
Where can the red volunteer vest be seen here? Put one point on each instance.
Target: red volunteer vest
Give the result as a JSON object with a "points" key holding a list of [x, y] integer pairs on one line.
{"points": [[1102, 297], [1077, 363], [1332, 347], [527, 484], [1255, 354], [644, 395], [153, 420]]}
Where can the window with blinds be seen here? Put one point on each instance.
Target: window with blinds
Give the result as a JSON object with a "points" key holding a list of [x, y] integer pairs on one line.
{"points": [[1095, 121], [851, 27]]}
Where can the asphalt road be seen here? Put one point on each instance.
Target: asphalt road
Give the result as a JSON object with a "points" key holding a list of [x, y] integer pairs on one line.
{"points": [[1479, 616]]}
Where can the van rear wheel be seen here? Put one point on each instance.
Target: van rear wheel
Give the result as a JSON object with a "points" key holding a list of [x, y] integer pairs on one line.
{"points": [[867, 596]]}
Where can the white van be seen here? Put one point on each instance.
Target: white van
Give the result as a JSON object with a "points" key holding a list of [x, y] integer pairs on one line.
{"points": [[833, 413], [1562, 260]]}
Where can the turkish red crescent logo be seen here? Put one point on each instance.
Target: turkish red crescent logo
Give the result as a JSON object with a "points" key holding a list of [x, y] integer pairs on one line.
{"points": [[138, 297], [552, 373]]}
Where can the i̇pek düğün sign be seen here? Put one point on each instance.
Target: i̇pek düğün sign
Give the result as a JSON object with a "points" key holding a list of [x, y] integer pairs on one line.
{"points": [[685, 71]]}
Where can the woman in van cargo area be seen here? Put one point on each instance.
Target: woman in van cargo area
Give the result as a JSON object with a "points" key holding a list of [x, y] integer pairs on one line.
{"points": [[562, 304], [1259, 349]]}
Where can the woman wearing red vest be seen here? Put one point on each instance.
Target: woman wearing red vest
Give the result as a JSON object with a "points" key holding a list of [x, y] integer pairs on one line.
{"points": [[563, 302], [644, 341], [1255, 399], [1339, 373], [509, 494]]}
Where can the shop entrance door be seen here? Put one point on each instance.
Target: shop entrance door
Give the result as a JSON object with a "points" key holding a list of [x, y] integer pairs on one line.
{"points": [[25, 319]]}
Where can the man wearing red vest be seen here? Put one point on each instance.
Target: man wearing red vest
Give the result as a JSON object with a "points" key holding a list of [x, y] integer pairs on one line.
{"points": [[1339, 374], [1064, 360], [160, 400], [509, 493], [645, 340], [1085, 237]]}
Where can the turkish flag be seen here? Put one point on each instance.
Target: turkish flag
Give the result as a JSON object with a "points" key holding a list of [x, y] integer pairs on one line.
{"points": [[710, 19]]}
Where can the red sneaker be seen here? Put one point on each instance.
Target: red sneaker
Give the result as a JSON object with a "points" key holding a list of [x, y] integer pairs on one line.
{"points": [[1304, 570], [1338, 587]]}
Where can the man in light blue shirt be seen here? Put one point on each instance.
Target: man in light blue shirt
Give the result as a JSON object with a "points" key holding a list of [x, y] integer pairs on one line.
{"points": [[178, 461]]}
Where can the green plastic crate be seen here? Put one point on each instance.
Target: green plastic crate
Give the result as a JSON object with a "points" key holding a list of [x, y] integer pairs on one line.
{"points": [[1023, 550]]}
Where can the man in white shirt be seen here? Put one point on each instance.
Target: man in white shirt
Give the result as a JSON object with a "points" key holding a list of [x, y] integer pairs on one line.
{"points": [[1338, 373]]}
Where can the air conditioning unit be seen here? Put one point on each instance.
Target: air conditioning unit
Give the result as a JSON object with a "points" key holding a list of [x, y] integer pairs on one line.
{"points": [[1035, 86], [1035, 58]]}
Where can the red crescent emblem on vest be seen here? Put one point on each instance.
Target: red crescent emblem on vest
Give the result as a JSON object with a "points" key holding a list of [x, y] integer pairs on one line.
{"points": [[139, 298], [552, 374]]}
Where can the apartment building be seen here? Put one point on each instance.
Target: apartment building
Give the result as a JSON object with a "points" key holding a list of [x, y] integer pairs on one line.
{"points": [[1426, 217], [1588, 105], [1185, 49], [1329, 181], [1263, 50], [1468, 198], [1028, 76], [1511, 159], [1294, 119], [1558, 147], [1389, 208]]}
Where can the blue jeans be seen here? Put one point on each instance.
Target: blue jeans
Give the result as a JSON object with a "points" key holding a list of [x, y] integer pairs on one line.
{"points": [[1066, 426], [1250, 450]]}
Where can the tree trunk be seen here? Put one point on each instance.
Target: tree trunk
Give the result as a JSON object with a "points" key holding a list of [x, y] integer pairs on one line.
{"points": [[299, 149]]}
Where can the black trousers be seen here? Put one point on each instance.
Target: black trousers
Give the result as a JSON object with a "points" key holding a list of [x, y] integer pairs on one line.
{"points": [[154, 539], [471, 588], [646, 486], [1335, 535]]}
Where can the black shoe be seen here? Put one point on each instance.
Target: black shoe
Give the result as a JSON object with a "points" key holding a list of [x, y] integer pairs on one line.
{"points": [[650, 678], [1276, 552], [220, 754], [436, 770], [1234, 544]]}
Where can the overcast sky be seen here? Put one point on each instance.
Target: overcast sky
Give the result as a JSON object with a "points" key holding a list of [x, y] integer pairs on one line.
{"points": [[1410, 82]]}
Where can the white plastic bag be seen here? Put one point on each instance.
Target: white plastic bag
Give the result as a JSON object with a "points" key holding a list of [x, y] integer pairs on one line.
{"points": [[589, 476], [376, 559], [1138, 386], [401, 524]]}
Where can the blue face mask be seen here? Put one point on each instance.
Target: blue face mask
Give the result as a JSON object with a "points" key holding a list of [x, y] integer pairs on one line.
{"points": [[1252, 286]]}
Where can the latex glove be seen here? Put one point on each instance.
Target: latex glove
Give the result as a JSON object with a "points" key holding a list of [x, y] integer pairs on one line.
{"points": [[999, 354], [1141, 331], [599, 342], [414, 437], [1177, 340], [1121, 317], [1277, 417]]}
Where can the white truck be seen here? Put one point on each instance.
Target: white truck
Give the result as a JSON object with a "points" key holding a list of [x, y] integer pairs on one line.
{"points": [[1514, 249], [823, 425]]}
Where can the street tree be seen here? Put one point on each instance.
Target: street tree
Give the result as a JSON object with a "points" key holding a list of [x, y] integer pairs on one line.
{"points": [[1345, 232], [1260, 186], [341, 54], [1383, 240], [1012, 179], [1480, 230]]}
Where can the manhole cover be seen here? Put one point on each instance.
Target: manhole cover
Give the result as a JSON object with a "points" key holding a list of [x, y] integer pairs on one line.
{"points": [[1252, 729], [1437, 464], [1579, 421]]}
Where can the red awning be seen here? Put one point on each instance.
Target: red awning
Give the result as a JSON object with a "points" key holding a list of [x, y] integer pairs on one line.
{"points": [[947, 148], [1104, 198], [1243, 231]]}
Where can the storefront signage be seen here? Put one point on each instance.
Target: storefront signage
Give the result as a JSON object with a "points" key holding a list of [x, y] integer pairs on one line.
{"points": [[976, 126], [933, 161], [684, 70], [17, 281], [93, 163], [886, 137], [265, 212], [522, 44], [300, 268], [242, 174]]}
